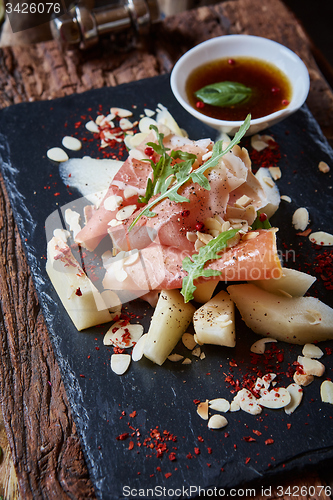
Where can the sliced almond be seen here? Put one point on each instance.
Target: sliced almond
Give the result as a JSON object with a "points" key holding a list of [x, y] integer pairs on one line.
{"points": [[191, 236], [243, 201], [120, 363], [311, 366], [275, 398], [303, 379], [91, 126], [57, 154], [99, 119], [269, 181], [275, 172], [71, 143], [196, 352], [248, 402], [175, 357], [323, 167], [322, 238], [112, 202], [187, 361], [300, 219], [234, 406], [268, 379], [259, 346], [260, 142], [123, 336], [217, 422], [121, 112], [219, 404], [137, 352], [296, 395], [202, 410], [125, 124], [326, 391], [129, 192], [213, 223], [312, 351], [286, 198], [189, 341], [126, 212], [204, 238]]}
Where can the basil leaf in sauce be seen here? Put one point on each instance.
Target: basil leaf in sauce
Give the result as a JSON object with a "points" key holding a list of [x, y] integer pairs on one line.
{"points": [[223, 94]]}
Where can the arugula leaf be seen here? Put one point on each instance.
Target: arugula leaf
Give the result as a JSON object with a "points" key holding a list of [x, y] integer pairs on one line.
{"points": [[195, 265], [165, 169], [223, 94], [184, 173]]}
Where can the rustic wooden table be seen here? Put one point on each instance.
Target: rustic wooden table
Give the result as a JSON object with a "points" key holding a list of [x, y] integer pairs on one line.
{"points": [[42, 452]]}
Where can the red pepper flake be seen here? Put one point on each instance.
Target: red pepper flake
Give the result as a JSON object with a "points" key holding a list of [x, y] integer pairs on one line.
{"points": [[200, 439], [78, 292], [167, 475], [269, 441], [197, 450], [158, 469], [189, 456], [172, 456], [257, 433], [133, 414], [210, 451], [131, 445], [82, 376], [56, 194], [122, 436], [248, 439], [247, 460], [288, 426]]}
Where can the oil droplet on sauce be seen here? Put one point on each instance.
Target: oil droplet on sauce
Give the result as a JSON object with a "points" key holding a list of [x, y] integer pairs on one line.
{"points": [[271, 88]]}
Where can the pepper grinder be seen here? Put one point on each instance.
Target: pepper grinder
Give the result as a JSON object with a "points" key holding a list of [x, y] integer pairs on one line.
{"points": [[81, 27]]}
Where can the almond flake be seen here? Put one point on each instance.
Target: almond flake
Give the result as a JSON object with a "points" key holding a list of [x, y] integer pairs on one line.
{"points": [[322, 238], [149, 112], [275, 398], [204, 238], [123, 336], [189, 341], [259, 346], [202, 410], [112, 202], [213, 223], [191, 236], [296, 395], [120, 363], [219, 404], [202, 355], [115, 222], [121, 112], [187, 361], [303, 379], [91, 126], [131, 257], [323, 167], [311, 366], [71, 143], [99, 119], [126, 212], [248, 402], [175, 357], [326, 391], [243, 201], [217, 422], [300, 219], [269, 181], [286, 198], [234, 406], [57, 154], [260, 142], [312, 351], [275, 172], [196, 352], [138, 349], [129, 192], [125, 124]]}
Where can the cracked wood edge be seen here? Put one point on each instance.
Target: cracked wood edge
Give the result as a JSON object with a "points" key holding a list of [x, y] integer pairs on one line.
{"points": [[45, 447]]}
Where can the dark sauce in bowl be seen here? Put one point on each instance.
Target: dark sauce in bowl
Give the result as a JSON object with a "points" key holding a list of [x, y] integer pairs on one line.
{"points": [[271, 89]]}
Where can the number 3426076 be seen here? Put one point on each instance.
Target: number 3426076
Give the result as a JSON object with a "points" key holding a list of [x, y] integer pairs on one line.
{"points": [[33, 8]]}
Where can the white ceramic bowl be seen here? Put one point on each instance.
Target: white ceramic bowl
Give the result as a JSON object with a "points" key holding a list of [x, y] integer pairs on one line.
{"points": [[230, 46]]}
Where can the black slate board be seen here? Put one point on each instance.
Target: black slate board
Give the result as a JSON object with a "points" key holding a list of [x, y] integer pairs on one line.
{"points": [[163, 396]]}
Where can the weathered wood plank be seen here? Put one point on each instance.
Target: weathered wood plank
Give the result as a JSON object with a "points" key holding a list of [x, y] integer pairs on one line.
{"points": [[44, 443]]}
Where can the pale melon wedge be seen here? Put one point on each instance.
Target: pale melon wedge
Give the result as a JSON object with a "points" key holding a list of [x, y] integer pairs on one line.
{"points": [[297, 320]]}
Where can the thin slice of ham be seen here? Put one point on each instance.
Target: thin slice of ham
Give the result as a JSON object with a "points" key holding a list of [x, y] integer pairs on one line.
{"points": [[160, 267]]}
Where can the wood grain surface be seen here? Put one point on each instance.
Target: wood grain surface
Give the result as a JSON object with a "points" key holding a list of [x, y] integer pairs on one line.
{"points": [[45, 448]]}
